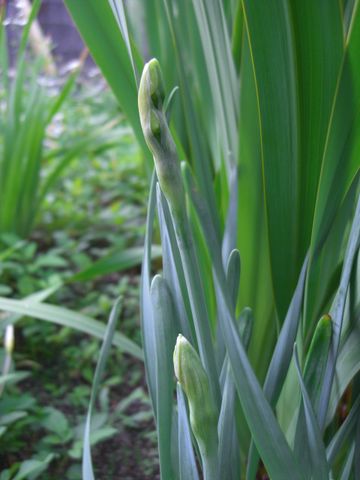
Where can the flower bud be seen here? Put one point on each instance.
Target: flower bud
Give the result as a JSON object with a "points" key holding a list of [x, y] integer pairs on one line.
{"points": [[158, 137], [195, 383]]}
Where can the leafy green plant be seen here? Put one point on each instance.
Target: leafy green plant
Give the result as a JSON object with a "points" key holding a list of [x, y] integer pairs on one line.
{"points": [[27, 112], [303, 444], [266, 118]]}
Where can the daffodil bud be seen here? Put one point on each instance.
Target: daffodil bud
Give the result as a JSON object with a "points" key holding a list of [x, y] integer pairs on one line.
{"points": [[158, 137], [194, 381]]}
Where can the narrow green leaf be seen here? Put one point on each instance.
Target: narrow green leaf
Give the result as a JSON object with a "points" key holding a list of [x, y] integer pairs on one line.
{"points": [[173, 269], [281, 358], [165, 327], [246, 324], [229, 242], [182, 25], [319, 467], [187, 462], [347, 366], [221, 73], [314, 370], [233, 269], [340, 159], [317, 358], [348, 464], [317, 75], [272, 53], [337, 313], [256, 283], [115, 261], [146, 316], [269, 439], [119, 13], [229, 451], [87, 466], [110, 52], [357, 451], [68, 318], [343, 433], [276, 455]]}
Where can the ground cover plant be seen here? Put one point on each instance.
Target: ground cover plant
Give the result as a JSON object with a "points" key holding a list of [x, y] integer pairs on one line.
{"points": [[265, 121], [47, 408]]}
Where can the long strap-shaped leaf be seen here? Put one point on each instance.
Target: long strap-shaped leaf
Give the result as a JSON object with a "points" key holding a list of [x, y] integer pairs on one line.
{"points": [[87, 466], [173, 270], [271, 44], [347, 366], [317, 74], [187, 462], [67, 318], [120, 16], [165, 329], [341, 154], [236, 352], [146, 314], [319, 467], [281, 358], [98, 27], [268, 437], [343, 433], [276, 453], [193, 125], [222, 74], [337, 313]]}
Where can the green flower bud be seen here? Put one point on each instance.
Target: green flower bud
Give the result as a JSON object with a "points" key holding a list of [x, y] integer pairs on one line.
{"points": [[158, 137], [195, 383]]}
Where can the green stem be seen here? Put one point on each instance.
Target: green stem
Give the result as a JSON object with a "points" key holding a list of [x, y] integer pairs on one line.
{"points": [[197, 300]]}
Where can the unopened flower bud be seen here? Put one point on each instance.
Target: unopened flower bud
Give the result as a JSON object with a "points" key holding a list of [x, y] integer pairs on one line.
{"points": [[158, 137], [195, 383]]}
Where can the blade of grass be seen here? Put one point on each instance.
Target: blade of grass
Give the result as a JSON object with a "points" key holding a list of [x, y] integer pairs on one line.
{"points": [[347, 366], [348, 464], [67, 318], [115, 261], [87, 465], [337, 313], [119, 13], [165, 336], [222, 75], [316, 78], [281, 358], [319, 467], [340, 157], [343, 433], [187, 462], [146, 316]]}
